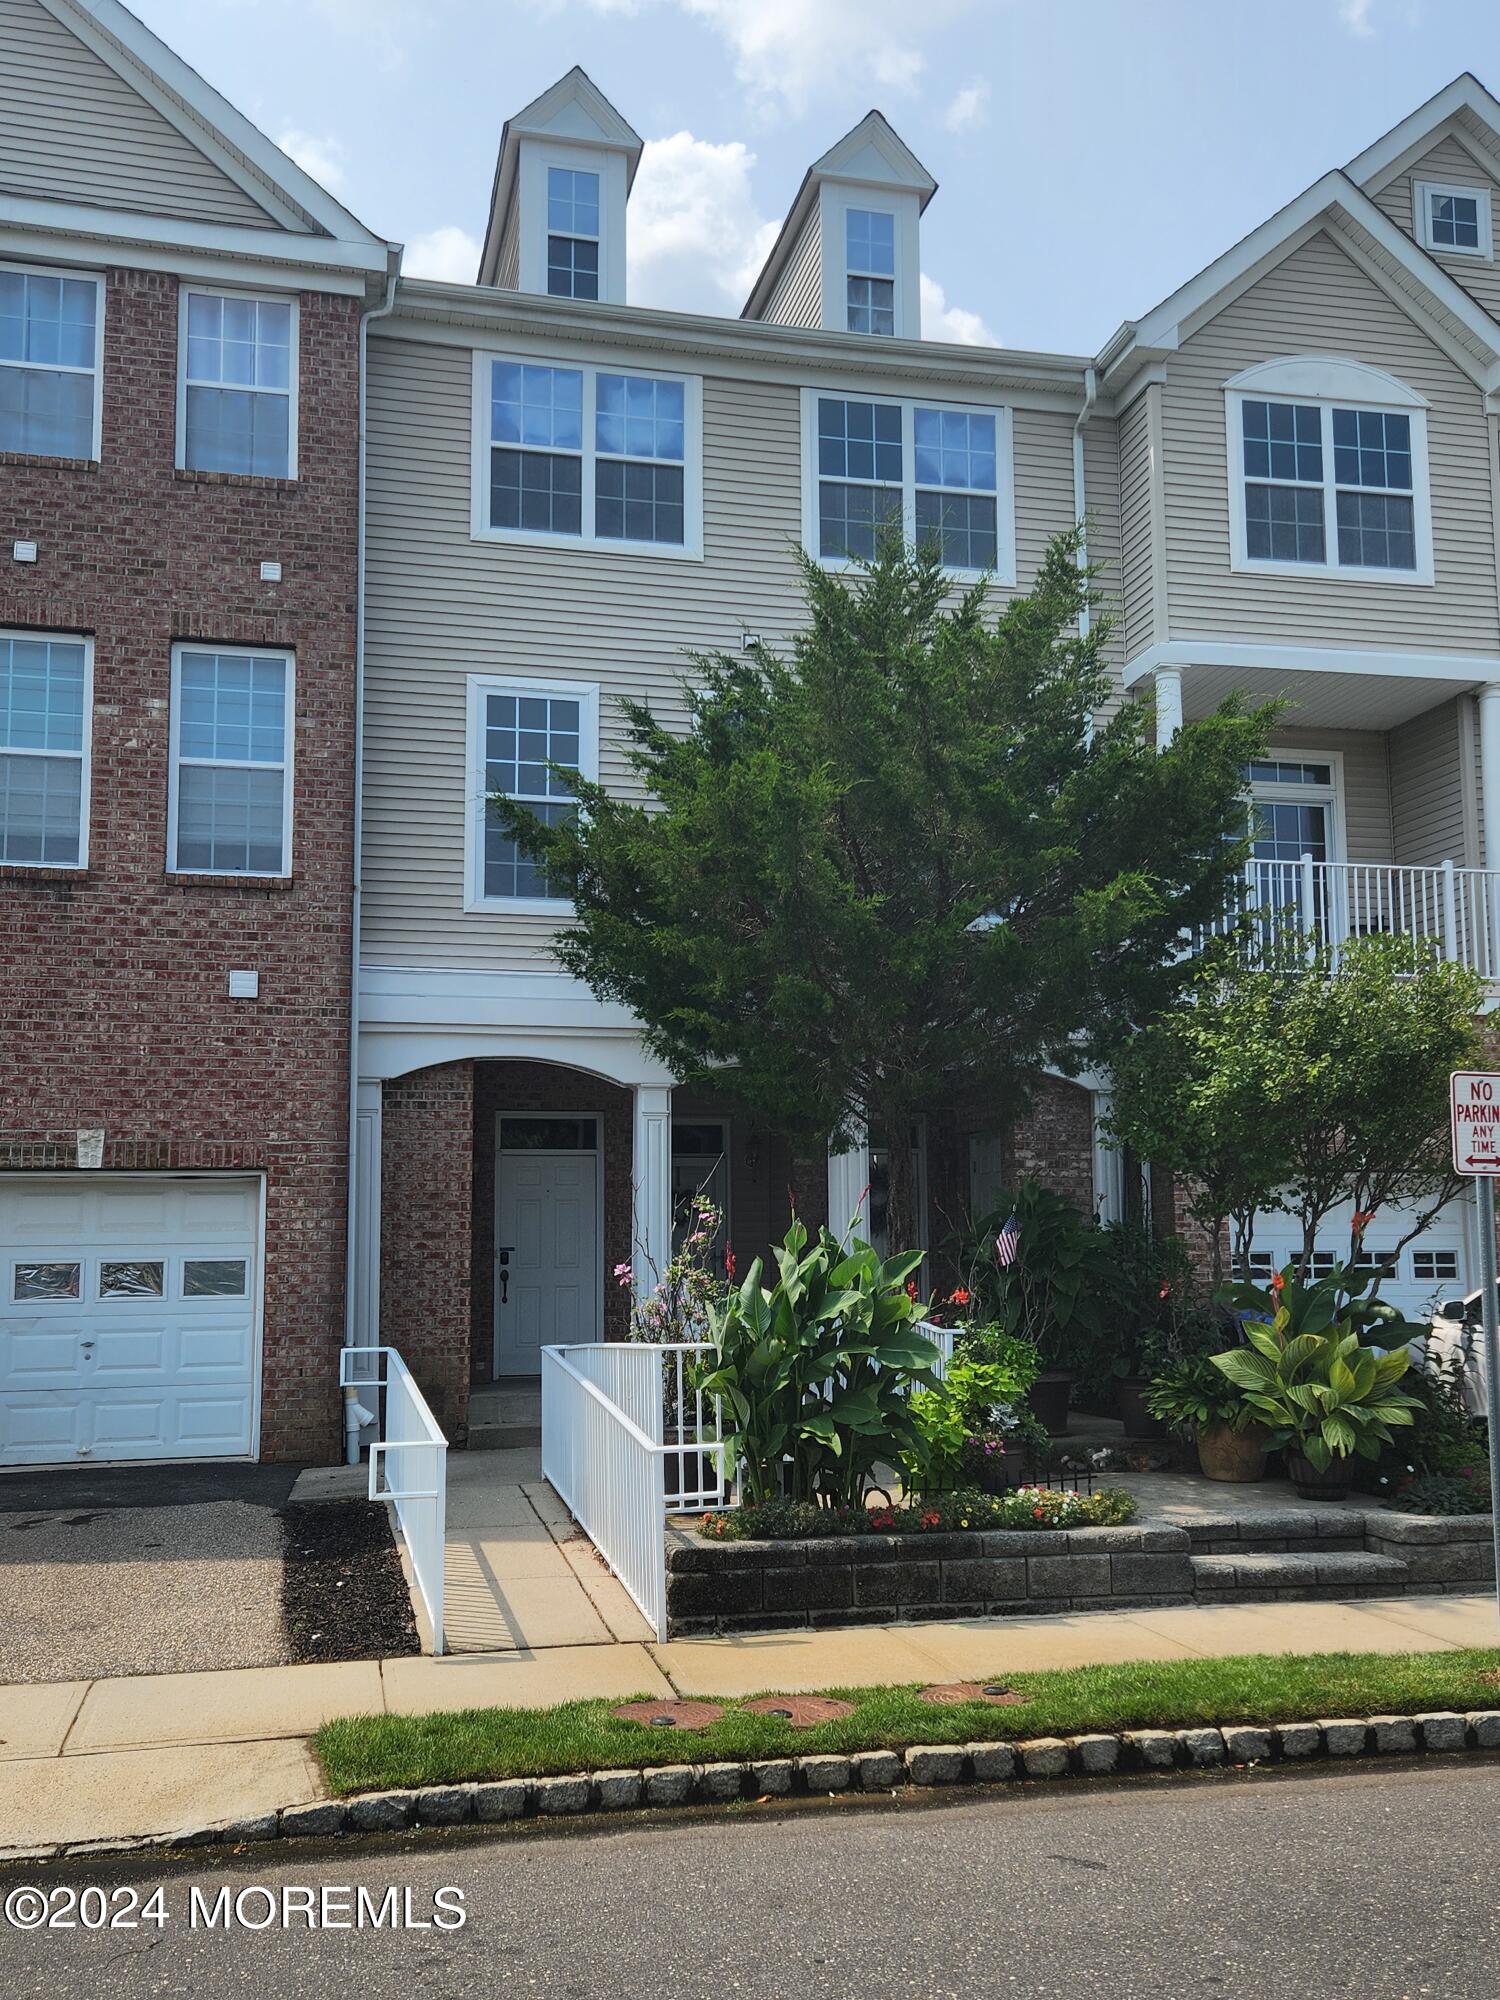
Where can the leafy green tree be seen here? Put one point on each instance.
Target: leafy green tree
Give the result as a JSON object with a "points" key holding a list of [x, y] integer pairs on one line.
{"points": [[901, 866], [1299, 1089]]}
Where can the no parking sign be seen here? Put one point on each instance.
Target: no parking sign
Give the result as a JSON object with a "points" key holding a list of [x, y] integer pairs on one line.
{"points": [[1474, 1096]]}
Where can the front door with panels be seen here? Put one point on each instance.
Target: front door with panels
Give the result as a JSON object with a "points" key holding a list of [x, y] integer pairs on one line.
{"points": [[128, 1312], [1295, 814], [548, 1276]]}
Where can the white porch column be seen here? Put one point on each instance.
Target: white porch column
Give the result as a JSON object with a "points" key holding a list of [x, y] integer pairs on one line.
{"points": [[1167, 683], [849, 1188], [651, 1187], [1109, 1164], [1489, 770]]}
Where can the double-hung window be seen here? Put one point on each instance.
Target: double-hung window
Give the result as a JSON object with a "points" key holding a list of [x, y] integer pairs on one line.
{"points": [[51, 333], [44, 750], [229, 806], [1319, 486], [237, 385], [936, 473], [1454, 221], [572, 233], [588, 456], [870, 269], [518, 730]]}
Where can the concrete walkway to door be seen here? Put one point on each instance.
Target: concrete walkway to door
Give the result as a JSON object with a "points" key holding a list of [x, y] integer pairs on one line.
{"points": [[522, 1576]]}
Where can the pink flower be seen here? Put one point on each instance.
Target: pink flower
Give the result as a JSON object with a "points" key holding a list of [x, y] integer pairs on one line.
{"points": [[623, 1274]]}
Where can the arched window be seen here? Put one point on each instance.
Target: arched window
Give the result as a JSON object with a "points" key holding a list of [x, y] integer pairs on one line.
{"points": [[1328, 471]]}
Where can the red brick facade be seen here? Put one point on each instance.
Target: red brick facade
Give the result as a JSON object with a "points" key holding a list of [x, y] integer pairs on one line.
{"points": [[113, 980], [427, 1232]]}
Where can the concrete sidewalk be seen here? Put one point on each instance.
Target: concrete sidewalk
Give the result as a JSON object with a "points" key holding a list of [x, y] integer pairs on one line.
{"points": [[91, 1760]]}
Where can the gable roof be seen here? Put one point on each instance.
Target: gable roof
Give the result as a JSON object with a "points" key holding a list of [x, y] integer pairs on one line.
{"points": [[574, 110], [1463, 108], [1335, 204], [871, 153], [184, 167]]}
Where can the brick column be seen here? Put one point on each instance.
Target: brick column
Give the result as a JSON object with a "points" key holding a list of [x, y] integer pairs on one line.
{"points": [[426, 1239]]}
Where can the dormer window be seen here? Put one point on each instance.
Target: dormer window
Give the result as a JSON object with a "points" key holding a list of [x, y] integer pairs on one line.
{"points": [[1454, 221], [572, 233], [870, 264]]}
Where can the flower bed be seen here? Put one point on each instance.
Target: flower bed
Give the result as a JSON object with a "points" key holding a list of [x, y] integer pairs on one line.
{"points": [[1025, 1508]]}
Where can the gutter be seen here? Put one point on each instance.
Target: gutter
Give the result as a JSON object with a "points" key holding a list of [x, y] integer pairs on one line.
{"points": [[351, 1395], [1080, 495]]}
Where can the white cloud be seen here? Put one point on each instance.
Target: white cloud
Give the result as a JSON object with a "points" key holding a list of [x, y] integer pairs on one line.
{"points": [[696, 239], [1355, 16], [969, 107], [449, 253], [322, 158], [940, 321]]}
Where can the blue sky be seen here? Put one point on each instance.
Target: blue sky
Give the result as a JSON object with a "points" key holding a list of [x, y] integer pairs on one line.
{"points": [[1090, 155]]}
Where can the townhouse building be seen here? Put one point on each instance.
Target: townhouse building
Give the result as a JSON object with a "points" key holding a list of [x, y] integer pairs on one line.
{"points": [[180, 334], [1288, 474]]}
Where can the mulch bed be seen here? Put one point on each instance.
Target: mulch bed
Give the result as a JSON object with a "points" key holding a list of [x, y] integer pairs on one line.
{"points": [[343, 1592]]}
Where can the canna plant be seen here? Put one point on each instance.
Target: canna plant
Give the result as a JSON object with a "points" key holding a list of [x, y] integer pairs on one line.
{"points": [[813, 1372]]}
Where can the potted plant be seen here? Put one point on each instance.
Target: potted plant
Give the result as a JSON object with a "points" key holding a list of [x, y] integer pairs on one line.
{"points": [[1194, 1396], [1324, 1397]]}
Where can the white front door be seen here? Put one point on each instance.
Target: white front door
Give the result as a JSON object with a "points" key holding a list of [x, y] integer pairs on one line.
{"points": [[128, 1312], [548, 1289]]}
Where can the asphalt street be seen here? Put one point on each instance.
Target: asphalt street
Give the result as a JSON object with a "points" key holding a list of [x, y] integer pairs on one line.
{"points": [[1375, 1884]]}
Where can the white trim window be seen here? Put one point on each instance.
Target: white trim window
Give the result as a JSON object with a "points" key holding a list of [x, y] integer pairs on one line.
{"points": [[46, 712], [237, 384], [51, 362], [596, 457], [940, 472], [572, 233], [229, 799], [870, 269], [1455, 221], [1329, 486], [516, 728]]}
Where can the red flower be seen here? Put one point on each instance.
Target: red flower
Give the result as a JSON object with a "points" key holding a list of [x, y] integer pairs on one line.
{"points": [[911, 1289], [958, 1298], [1165, 1292], [1278, 1284], [730, 1268]]}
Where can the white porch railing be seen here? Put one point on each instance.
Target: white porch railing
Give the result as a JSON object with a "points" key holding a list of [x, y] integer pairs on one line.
{"points": [[1455, 911], [419, 1489], [625, 1440], [941, 1338]]}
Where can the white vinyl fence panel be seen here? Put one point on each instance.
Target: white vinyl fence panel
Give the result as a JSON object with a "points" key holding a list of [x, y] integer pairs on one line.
{"points": [[412, 1454]]}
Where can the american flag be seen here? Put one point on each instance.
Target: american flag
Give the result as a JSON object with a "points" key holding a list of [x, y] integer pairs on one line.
{"points": [[1008, 1244]]}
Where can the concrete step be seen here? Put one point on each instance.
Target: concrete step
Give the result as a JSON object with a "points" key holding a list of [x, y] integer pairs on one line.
{"points": [[503, 1437], [505, 1415], [1317, 1572]]}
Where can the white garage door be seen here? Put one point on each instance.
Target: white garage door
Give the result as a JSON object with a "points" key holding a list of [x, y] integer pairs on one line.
{"points": [[1431, 1267], [128, 1312]]}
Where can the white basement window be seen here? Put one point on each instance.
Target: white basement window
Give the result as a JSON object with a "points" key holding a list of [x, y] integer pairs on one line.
{"points": [[1329, 485], [1454, 221], [51, 341], [229, 803], [587, 457], [938, 472], [237, 384], [45, 716], [516, 729]]}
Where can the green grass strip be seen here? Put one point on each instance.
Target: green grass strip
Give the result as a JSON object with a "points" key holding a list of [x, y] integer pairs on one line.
{"points": [[376, 1752]]}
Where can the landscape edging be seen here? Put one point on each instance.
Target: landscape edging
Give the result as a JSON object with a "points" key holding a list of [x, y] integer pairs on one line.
{"points": [[1100, 1753]]}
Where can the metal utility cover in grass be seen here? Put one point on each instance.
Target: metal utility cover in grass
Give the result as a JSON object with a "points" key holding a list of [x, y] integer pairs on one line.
{"points": [[950, 1694], [670, 1714], [801, 1711]]}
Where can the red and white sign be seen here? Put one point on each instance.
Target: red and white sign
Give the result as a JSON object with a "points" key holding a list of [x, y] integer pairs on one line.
{"points": [[1476, 1122]]}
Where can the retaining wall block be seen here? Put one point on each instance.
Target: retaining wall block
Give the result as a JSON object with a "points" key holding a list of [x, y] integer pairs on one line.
{"points": [[1247, 1746], [1394, 1733], [323, 1817], [1068, 1576], [935, 1764], [1164, 1575], [382, 1812], [992, 1763], [1203, 1746], [671, 1785], [1043, 1757], [1343, 1737], [618, 1791], [1484, 1727], [773, 1779], [1442, 1730], [1299, 1739], [878, 1770], [1095, 1754], [501, 1798], [826, 1774], [721, 1781], [1155, 1749]]}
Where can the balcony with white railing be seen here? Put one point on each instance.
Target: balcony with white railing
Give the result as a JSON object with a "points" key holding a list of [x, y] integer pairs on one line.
{"points": [[1454, 911]]}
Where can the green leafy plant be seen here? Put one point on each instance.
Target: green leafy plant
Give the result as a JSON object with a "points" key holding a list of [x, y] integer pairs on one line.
{"points": [[1192, 1395], [1318, 1391], [1345, 1296], [976, 1403], [1024, 1507], [1443, 1493], [1055, 1292], [814, 1373]]}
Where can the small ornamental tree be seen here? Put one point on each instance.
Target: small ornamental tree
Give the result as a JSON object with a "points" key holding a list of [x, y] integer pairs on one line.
{"points": [[1299, 1090], [900, 866]]}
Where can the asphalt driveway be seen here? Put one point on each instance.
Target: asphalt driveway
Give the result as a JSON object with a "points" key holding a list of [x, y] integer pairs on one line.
{"points": [[141, 1569]]}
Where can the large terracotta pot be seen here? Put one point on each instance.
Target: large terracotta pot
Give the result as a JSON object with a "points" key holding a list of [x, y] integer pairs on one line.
{"points": [[1311, 1484], [1235, 1456], [1048, 1397]]}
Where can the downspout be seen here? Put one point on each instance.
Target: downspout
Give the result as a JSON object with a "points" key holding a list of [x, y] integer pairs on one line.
{"points": [[1080, 495], [351, 1396]]}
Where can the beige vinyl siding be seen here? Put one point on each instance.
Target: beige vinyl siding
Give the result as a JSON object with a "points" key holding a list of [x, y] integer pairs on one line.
{"points": [[1137, 581], [798, 296], [1101, 492], [1318, 302], [1427, 804], [1449, 161], [71, 129], [441, 606], [508, 263], [1366, 785]]}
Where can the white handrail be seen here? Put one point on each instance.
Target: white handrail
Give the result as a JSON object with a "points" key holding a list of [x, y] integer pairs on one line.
{"points": [[421, 1499], [1454, 911]]}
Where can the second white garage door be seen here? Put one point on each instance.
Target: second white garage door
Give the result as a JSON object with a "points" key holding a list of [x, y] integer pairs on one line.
{"points": [[128, 1317]]}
